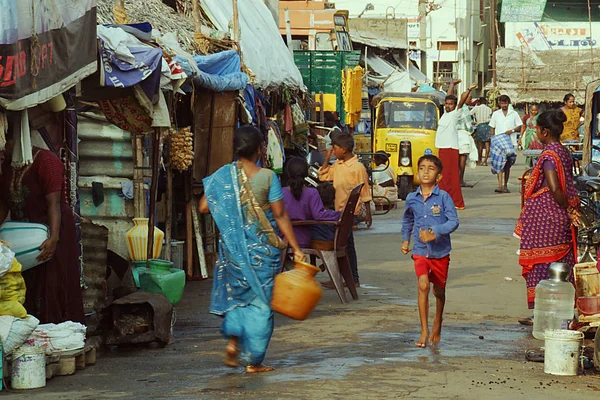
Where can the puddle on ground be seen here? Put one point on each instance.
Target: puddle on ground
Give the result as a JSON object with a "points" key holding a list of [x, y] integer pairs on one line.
{"points": [[474, 226], [376, 348]]}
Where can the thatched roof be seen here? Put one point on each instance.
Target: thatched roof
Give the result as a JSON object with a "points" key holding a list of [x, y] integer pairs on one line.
{"points": [[161, 16], [544, 76]]}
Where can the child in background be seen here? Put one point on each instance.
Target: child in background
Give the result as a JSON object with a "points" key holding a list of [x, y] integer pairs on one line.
{"points": [[346, 173], [324, 235], [431, 214]]}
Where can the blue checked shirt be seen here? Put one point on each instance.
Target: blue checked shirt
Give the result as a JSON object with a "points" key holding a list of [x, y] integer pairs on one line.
{"points": [[436, 212]]}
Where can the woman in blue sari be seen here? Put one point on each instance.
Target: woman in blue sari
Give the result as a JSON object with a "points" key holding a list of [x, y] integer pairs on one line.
{"points": [[246, 202]]}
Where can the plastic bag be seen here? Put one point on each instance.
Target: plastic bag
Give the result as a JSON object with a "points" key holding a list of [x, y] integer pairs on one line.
{"points": [[7, 257], [12, 292]]}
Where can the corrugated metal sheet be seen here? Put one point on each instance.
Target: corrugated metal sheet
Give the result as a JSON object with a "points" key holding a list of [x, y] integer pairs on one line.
{"points": [[106, 156], [95, 241]]}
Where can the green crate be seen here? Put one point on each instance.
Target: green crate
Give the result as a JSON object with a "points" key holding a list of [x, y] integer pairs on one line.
{"points": [[322, 71]]}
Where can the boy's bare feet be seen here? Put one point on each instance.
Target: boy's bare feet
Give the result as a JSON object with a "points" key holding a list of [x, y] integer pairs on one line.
{"points": [[422, 342], [253, 369], [436, 332], [231, 353]]}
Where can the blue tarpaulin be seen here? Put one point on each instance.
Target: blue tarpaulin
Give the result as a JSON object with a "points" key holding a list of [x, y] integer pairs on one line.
{"points": [[219, 72]]}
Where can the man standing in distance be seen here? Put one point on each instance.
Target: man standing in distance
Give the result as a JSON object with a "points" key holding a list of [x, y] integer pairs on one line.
{"points": [[505, 121], [446, 140]]}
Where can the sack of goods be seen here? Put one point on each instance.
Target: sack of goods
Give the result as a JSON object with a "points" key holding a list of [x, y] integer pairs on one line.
{"points": [[15, 331], [182, 148], [12, 292], [53, 338]]}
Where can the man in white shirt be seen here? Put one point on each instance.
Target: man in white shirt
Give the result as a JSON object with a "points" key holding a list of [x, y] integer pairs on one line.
{"points": [[446, 140], [505, 121], [482, 115]]}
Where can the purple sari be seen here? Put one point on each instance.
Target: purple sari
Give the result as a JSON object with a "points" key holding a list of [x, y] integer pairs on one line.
{"points": [[544, 227]]}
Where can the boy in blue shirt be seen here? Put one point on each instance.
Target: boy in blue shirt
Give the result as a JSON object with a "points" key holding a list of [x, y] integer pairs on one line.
{"points": [[431, 214]]}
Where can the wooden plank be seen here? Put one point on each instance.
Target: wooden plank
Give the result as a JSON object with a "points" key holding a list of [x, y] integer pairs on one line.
{"points": [[223, 126], [203, 103], [189, 235]]}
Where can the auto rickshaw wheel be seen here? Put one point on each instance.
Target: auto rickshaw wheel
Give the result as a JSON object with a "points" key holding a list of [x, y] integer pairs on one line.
{"points": [[405, 186]]}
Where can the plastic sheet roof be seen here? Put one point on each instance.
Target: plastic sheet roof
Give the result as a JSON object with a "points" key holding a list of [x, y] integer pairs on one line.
{"points": [[263, 49]]}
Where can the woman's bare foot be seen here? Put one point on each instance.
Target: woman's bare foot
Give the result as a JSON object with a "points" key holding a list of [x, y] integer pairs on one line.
{"points": [[253, 369], [436, 333], [231, 353], [422, 343]]}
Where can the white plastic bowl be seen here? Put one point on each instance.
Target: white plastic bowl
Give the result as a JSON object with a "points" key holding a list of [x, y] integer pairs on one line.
{"points": [[25, 238]]}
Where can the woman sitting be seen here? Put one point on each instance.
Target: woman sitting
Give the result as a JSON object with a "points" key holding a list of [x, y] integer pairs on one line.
{"points": [[303, 203], [384, 181]]}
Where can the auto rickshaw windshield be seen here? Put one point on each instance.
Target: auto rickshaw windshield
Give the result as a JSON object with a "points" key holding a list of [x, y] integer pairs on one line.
{"points": [[407, 114]]}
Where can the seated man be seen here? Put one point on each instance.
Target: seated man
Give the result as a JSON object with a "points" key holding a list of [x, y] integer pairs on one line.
{"points": [[384, 181]]}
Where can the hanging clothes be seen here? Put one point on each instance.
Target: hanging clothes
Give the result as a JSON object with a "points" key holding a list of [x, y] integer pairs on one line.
{"points": [[275, 152]]}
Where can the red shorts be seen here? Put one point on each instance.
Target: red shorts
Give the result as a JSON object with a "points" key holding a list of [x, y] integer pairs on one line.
{"points": [[435, 268]]}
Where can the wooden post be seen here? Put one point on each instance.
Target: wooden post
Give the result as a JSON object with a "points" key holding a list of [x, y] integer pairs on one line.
{"points": [[236, 23], [197, 15], [169, 213], [591, 37], [153, 191], [199, 241], [288, 31], [322, 100], [189, 231], [493, 40], [139, 203]]}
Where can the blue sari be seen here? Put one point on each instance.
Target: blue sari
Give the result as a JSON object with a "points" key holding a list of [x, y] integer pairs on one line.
{"points": [[249, 258]]}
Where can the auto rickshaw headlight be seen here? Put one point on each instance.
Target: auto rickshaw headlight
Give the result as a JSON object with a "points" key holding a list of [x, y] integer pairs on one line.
{"points": [[405, 161]]}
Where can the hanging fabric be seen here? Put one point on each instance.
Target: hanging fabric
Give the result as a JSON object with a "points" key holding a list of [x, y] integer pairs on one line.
{"points": [[22, 154], [3, 130], [275, 148]]}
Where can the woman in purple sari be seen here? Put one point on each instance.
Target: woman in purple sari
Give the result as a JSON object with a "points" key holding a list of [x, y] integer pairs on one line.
{"points": [[546, 224]]}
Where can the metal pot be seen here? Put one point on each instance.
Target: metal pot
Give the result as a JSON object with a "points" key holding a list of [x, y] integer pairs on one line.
{"points": [[559, 272]]}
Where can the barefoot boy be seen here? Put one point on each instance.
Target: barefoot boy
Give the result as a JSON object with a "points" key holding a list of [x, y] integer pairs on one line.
{"points": [[431, 214]]}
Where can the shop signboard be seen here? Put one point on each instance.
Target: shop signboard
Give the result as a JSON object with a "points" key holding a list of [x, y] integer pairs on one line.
{"points": [[541, 36], [46, 47], [522, 10]]}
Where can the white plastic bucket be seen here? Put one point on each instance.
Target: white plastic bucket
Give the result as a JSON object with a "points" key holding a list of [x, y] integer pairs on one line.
{"points": [[562, 351], [28, 368]]}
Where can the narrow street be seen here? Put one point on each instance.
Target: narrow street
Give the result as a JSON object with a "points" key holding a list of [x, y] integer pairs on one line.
{"points": [[364, 349]]}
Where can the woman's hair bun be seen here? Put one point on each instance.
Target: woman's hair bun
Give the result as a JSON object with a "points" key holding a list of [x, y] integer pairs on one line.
{"points": [[560, 116]]}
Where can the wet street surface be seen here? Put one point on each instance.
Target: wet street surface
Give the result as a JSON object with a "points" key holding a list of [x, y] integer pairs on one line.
{"points": [[364, 349]]}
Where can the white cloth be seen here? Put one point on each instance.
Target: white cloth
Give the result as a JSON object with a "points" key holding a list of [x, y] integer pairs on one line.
{"points": [[446, 136], [482, 114], [22, 154], [53, 338], [464, 142], [381, 174]]}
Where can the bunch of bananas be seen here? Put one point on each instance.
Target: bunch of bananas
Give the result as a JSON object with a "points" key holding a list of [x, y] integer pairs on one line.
{"points": [[182, 148]]}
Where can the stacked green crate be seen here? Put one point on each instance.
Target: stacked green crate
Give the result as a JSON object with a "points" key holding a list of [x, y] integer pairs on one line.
{"points": [[322, 72]]}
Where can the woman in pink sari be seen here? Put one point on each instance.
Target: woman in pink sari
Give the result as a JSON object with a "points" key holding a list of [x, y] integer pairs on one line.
{"points": [[546, 224]]}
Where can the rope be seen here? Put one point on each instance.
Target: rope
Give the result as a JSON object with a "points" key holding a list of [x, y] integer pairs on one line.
{"points": [[120, 14], [35, 49], [202, 42]]}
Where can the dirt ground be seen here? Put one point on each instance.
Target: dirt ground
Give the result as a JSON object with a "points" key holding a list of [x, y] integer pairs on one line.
{"points": [[363, 349]]}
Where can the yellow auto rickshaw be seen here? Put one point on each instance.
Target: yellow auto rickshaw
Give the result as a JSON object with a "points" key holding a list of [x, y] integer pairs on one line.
{"points": [[404, 125]]}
